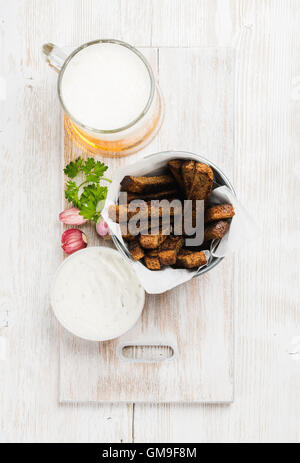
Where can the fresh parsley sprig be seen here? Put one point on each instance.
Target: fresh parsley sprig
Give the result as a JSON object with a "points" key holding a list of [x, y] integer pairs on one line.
{"points": [[88, 196]]}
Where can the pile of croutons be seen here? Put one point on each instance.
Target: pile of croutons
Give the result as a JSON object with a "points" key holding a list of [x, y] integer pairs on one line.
{"points": [[157, 245]]}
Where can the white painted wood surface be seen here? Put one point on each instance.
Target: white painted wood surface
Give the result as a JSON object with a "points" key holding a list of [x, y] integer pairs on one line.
{"points": [[266, 176], [196, 318]]}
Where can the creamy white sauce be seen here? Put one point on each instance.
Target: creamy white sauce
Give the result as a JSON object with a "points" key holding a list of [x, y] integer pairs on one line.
{"points": [[96, 294]]}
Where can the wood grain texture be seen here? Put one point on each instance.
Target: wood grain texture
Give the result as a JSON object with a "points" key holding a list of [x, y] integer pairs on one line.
{"points": [[31, 200], [266, 408], [266, 36], [195, 318]]}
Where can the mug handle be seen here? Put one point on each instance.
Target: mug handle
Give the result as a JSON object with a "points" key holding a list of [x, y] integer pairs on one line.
{"points": [[55, 56]]}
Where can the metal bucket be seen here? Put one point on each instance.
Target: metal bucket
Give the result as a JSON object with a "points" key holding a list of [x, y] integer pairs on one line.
{"points": [[220, 179]]}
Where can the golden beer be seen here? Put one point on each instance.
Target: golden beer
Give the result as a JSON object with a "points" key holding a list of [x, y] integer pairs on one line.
{"points": [[111, 101]]}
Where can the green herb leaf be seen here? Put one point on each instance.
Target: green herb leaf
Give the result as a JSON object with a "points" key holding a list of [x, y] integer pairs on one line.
{"points": [[72, 192], [91, 201], [73, 168], [89, 165]]}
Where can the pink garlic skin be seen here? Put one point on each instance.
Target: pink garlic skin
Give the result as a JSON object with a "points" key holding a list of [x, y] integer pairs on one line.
{"points": [[72, 240], [102, 228], [71, 217]]}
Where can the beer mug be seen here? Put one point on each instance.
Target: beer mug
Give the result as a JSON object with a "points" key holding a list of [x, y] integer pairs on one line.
{"points": [[110, 98]]}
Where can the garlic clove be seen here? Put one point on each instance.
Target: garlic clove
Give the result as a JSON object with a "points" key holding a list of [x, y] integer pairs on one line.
{"points": [[102, 228], [73, 240], [71, 216]]}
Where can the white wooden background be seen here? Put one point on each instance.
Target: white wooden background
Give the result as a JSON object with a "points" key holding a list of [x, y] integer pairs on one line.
{"points": [[265, 34]]}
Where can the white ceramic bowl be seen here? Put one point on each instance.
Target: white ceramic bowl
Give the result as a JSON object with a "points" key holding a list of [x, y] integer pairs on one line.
{"points": [[134, 288]]}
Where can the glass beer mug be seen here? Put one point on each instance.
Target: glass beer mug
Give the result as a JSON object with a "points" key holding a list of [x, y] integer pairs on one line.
{"points": [[111, 101]]}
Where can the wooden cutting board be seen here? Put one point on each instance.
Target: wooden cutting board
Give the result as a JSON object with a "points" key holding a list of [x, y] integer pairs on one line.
{"points": [[181, 349]]}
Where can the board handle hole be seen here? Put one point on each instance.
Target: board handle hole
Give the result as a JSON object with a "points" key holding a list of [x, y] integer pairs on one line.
{"points": [[147, 352]]}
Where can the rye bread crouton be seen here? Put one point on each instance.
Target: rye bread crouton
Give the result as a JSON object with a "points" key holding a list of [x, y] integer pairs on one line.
{"points": [[169, 249], [155, 227], [175, 168], [202, 182], [135, 250], [165, 194], [190, 259], [216, 230], [219, 212], [128, 237], [147, 185], [152, 252], [151, 241], [121, 213], [124, 212], [152, 262], [187, 170]]}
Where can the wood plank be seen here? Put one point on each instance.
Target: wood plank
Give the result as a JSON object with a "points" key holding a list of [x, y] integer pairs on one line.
{"points": [[195, 318], [266, 178], [144, 23], [30, 143], [267, 406]]}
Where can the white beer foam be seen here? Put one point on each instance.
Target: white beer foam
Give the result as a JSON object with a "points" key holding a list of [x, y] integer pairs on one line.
{"points": [[105, 86]]}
